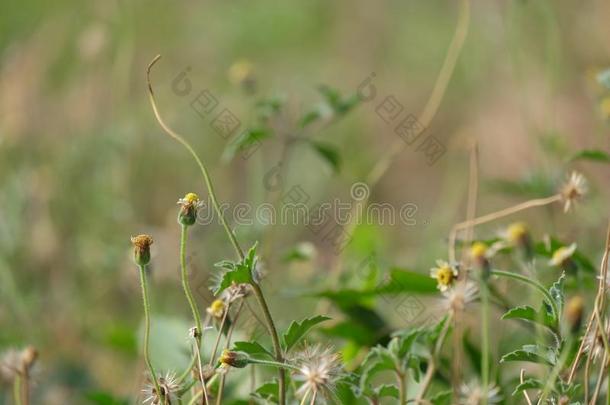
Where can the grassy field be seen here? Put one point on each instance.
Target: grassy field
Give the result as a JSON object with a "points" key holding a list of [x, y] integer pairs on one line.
{"points": [[344, 141]]}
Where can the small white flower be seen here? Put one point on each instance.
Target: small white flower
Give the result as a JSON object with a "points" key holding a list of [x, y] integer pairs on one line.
{"points": [[168, 386], [573, 190], [319, 369], [444, 273], [562, 254], [473, 394], [460, 295]]}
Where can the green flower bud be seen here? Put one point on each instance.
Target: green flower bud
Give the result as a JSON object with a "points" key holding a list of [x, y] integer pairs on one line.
{"points": [[188, 209], [234, 359], [141, 249]]}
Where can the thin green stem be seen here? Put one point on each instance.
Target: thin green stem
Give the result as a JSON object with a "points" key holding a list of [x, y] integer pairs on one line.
{"points": [[402, 387], [185, 281], [556, 371], [532, 283], [484, 339], [145, 300], [17, 390], [277, 348], [304, 400], [273, 364]]}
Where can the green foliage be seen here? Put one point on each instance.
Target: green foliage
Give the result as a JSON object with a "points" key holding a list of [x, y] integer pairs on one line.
{"points": [[236, 272], [298, 330]]}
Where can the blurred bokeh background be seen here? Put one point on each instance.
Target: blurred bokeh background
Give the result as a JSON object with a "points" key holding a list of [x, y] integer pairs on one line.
{"points": [[84, 165]]}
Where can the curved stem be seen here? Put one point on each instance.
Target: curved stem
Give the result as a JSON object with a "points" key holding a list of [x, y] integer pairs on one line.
{"points": [[432, 362], [496, 215], [185, 281], [532, 283], [145, 300], [202, 167], [277, 347]]}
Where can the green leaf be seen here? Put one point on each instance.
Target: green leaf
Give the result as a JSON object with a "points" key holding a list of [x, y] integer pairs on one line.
{"points": [[236, 273], [401, 281], [249, 138], [594, 155], [556, 292], [103, 398], [268, 391], [528, 313], [442, 398], [329, 153], [310, 117], [528, 384], [298, 330], [387, 390], [254, 349], [532, 354]]}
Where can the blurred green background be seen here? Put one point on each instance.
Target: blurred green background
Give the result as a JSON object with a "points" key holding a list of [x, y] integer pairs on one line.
{"points": [[84, 165]]}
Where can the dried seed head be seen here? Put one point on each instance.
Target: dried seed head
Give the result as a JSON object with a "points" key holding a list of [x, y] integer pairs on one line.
{"points": [[459, 296], [573, 190], [141, 249], [169, 387], [188, 209], [319, 370], [474, 394], [28, 357]]}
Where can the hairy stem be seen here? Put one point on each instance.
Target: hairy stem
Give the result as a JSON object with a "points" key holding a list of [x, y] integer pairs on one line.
{"points": [[146, 303], [484, 339], [17, 390], [402, 386], [185, 281], [532, 283]]}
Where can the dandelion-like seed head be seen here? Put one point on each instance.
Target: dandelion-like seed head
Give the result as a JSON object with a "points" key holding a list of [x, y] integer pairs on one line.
{"points": [[445, 274], [460, 295], [473, 394], [319, 370], [573, 190], [10, 365], [562, 255], [168, 386], [141, 249], [594, 341], [217, 309]]}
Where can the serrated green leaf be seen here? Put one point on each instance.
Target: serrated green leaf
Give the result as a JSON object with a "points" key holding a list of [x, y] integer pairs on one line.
{"points": [[532, 354], [593, 155], [556, 292], [528, 384], [329, 153], [528, 313], [387, 390], [298, 330], [236, 273], [254, 349]]}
